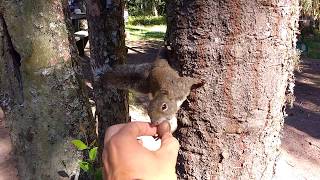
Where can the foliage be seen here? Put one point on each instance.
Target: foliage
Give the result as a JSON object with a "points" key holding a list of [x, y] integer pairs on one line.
{"points": [[88, 164], [147, 20], [79, 144], [145, 7], [310, 8], [313, 45]]}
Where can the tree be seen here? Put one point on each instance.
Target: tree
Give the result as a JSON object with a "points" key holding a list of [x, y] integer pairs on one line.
{"points": [[310, 11], [39, 88], [310, 8], [145, 7], [107, 48], [245, 50]]}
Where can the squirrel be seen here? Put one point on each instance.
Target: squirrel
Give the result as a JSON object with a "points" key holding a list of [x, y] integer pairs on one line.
{"points": [[167, 89]]}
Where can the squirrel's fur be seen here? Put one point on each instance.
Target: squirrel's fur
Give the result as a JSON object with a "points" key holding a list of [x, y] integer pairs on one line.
{"points": [[167, 88]]}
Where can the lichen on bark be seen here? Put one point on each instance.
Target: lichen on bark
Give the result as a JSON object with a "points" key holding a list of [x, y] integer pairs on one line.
{"points": [[43, 125]]}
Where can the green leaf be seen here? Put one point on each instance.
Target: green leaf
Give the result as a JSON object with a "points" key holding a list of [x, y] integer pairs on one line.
{"points": [[84, 166], [93, 153], [79, 144]]}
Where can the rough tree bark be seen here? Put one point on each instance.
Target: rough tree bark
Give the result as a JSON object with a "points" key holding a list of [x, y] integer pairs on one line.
{"points": [[107, 43], [39, 89], [245, 50]]}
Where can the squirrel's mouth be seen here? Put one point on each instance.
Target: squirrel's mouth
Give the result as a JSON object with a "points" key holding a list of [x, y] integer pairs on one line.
{"points": [[172, 121], [159, 121]]}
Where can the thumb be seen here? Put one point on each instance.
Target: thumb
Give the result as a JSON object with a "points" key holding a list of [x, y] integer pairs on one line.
{"points": [[169, 148]]}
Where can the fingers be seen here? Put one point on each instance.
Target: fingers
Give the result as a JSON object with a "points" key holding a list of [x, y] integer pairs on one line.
{"points": [[1, 114], [136, 129], [169, 147], [133, 129], [112, 131]]}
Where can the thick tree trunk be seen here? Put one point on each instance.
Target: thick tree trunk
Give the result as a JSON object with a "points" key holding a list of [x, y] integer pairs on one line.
{"points": [[107, 43], [245, 50], [39, 89]]}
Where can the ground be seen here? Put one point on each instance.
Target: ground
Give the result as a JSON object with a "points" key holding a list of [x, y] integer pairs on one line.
{"points": [[300, 150], [7, 162]]}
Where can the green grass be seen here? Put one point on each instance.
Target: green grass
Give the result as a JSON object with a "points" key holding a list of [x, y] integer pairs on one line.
{"points": [[313, 44], [147, 20], [146, 28], [313, 49], [150, 32]]}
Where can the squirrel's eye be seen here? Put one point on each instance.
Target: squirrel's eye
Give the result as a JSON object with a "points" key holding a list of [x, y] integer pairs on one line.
{"points": [[164, 107]]}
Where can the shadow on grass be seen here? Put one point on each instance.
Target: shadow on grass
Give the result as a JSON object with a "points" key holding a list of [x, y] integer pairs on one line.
{"points": [[146, 35], [153, 34], [147, 20], [133, 29]]}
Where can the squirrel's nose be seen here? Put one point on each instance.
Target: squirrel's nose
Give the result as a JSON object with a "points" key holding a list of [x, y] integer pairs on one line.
{"points": [[156, 123]]}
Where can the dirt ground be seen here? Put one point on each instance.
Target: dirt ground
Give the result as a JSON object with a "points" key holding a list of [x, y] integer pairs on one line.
{"points": [[7, 162], [300, 150]]}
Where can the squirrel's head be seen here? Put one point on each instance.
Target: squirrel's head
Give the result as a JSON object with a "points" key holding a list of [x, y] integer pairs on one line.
{"points": [[163, 108]]}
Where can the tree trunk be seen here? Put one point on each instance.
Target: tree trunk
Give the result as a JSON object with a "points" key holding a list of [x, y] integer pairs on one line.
{"points": [[245, 51], [107, 43], [39, 89], [154, 8]]}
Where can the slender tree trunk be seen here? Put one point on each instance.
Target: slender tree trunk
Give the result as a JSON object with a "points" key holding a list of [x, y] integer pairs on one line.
{"points": [[106, 36], [39, 89], [154, 8], [245, 51], [155, 11]]}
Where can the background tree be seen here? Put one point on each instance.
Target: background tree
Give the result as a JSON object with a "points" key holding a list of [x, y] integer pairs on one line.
{"points": [[310, 16], [146, 7], [310, 8], [39, 88], [107, 48], [245, 50]]}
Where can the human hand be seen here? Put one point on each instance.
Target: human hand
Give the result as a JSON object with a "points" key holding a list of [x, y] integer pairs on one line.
{"points": [[125, 158], [1, 114]]}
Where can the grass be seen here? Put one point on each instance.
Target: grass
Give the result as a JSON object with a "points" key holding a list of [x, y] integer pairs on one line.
{"points": [[155, 33], [147, 20], [313, 44], [313, 49], [146, 28]]}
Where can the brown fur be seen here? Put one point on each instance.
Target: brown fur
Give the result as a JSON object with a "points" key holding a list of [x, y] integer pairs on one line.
{"points": [[164, 83]]}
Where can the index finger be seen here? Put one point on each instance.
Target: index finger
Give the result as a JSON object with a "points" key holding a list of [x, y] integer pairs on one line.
{"points": [[112, 130], [136, 129]]}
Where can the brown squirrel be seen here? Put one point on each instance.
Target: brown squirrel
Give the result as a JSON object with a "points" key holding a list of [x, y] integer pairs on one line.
{"points": [[167, 89]]}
